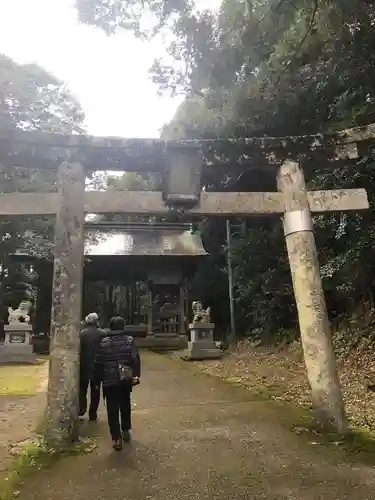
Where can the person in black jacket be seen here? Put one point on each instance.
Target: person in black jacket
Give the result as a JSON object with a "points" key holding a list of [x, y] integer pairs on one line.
{"points": [[118, 368], [90, 337]]}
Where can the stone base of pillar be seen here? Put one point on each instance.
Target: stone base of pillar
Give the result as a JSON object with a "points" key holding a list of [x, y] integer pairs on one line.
{"points": [[202, 344], [17, 347], [198, 351]]}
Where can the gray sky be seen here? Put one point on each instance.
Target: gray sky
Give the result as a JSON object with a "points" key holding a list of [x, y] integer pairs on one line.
{"points": [[108, 75]]}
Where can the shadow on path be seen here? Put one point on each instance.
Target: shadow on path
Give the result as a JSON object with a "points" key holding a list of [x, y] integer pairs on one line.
{"points": [[196, 437]]}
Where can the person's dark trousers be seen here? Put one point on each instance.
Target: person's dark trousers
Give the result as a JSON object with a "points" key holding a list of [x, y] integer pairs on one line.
{"points": [[94, 399], [118, 409]]}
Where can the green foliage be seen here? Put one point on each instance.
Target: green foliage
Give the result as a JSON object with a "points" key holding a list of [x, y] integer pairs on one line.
{"points": [[33, 456], [288, 68], [30, 99], [277, 68], [143, 17]]}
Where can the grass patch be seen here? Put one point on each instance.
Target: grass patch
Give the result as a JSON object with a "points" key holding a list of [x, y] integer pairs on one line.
{"points": [[21, 379], [357, 446], [33, 457]]}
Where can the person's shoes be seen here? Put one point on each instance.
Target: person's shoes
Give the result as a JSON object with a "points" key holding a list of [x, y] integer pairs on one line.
{"points": [[126, 436], [117, 445]]}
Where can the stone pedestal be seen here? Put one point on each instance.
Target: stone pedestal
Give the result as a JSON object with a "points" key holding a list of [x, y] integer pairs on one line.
{"points": [[201, 345], [17, 347]]}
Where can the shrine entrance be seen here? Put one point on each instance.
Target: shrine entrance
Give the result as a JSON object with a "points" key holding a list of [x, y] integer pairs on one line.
{"points": [[146, 276], [138, 271], [186, 167], [117, 299]]}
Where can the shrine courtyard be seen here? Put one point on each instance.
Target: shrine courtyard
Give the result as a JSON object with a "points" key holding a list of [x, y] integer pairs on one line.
{"points": [[197, 437]]}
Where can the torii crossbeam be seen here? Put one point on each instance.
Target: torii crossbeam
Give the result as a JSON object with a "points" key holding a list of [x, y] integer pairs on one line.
{"points": [[181, 163]]}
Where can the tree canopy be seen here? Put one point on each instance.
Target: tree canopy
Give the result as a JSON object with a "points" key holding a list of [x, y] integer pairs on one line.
{"points": [[258, 68], [248, 65], [30, 99]]}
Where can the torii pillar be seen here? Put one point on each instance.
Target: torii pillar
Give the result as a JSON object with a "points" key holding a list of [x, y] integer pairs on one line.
{"points": [[314, 325]]}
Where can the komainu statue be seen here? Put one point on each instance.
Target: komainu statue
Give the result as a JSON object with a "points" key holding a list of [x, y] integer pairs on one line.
{"points": [[201, 315], [21, 314]]}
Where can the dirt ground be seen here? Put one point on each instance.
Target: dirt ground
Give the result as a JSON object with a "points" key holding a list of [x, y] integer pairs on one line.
{"points": [[19, 414], [198, 437]]}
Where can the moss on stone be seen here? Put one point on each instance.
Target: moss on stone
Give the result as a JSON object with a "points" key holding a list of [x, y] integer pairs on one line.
{"points": [[32, 456]]}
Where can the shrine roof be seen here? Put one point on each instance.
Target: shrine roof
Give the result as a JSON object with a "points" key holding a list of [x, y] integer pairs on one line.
{"points": [[148, 242], [130, 240]]}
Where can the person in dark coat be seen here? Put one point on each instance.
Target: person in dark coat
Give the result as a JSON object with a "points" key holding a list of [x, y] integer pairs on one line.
{"points": [[90, 337], [118, 368]]}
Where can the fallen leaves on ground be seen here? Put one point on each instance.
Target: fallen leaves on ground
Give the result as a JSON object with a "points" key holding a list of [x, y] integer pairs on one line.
{"points": [[281, 374]]}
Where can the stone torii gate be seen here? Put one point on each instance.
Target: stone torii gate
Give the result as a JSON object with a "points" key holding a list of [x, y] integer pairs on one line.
{"points": [[181, 163]]}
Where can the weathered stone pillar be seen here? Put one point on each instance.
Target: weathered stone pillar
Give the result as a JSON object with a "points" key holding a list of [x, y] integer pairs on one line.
{"points": [[312, 312], [62, 402]]}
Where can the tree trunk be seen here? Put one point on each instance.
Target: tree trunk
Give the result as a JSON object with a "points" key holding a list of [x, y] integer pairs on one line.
{"points": [[312, 312], [62, 401]]}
